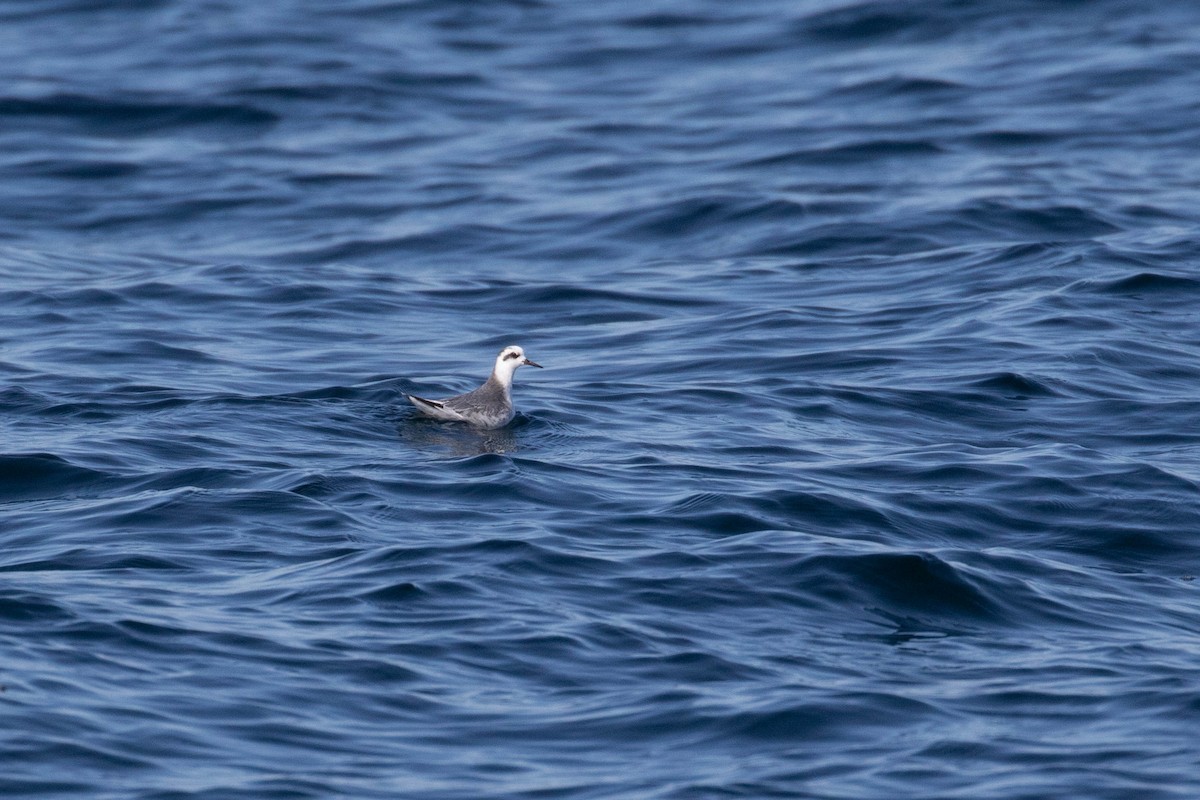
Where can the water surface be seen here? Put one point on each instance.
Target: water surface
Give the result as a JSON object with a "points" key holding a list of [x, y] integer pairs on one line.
{"points": [[865, 462]]}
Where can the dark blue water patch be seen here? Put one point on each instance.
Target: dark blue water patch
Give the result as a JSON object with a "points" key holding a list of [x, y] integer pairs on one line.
{"points": [[1122, 530], [81, 170], [66, 8], [841, 239], [697, 215], [39, 475], [70, 298], [672, 20], [720, 515], [899, 86], [16, 399], [856, 24], [83, 560], [465, 238], [856, 154], [19, 607], [1170, 288], [140, 116], [899, 586], [1015, 139], [1008, 222], [86, 757], [825, 721], [565, 294], [1015, 385]]}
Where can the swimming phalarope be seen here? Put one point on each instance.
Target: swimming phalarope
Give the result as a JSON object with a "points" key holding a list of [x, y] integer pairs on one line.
{"points": [[489, 406]]}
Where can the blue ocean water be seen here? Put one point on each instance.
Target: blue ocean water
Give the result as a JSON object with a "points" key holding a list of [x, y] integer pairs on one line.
{"points": [[865, 463]]}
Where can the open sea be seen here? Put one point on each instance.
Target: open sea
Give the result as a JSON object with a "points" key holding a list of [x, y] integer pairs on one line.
{"points": [[865, 464]]}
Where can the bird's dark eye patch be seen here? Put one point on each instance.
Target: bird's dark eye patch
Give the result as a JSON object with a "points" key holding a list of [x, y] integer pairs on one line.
{"points": [[507, 356]]}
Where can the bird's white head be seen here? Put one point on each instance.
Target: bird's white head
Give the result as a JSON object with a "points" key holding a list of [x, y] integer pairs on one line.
{"points": [[507, 362]]}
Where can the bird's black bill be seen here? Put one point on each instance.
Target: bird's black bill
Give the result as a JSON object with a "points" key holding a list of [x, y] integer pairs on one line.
{"points": [[532, 364]]}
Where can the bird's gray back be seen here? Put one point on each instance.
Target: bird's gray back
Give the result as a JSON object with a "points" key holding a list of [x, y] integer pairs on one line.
{"points": [[491, 400]]}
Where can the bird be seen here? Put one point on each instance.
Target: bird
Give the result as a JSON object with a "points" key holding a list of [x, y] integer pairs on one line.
{"points": [[488, 407]]}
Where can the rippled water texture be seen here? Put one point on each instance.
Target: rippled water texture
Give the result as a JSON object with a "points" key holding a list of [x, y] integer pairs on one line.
{"points": [[864, 464]]}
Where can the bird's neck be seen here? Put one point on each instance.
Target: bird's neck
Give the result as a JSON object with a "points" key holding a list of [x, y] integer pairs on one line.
{"points": [[502, 376]]}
